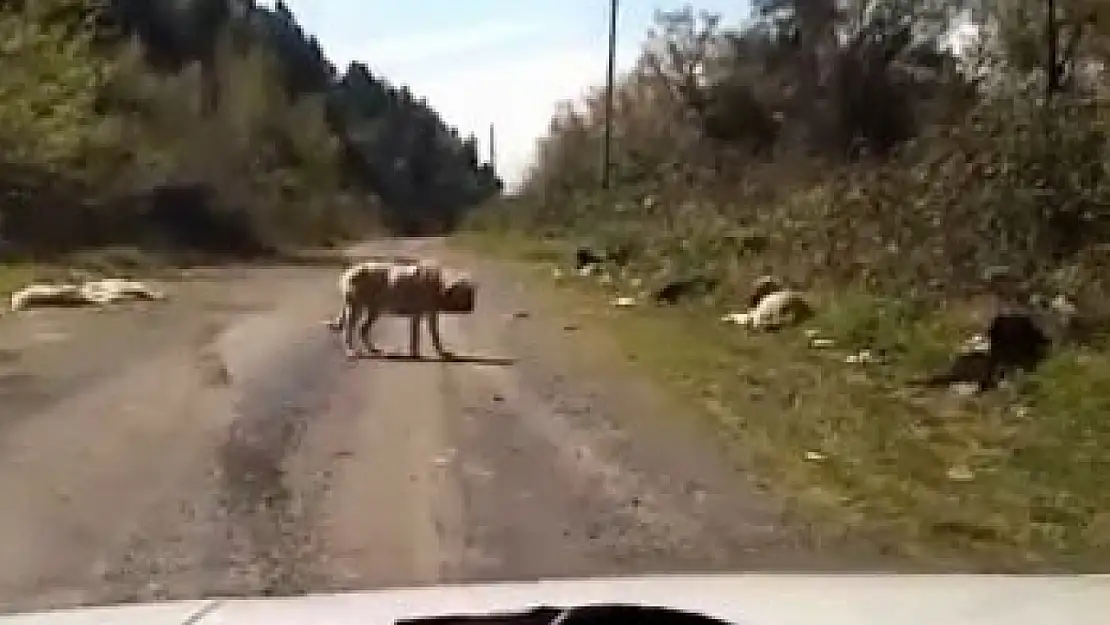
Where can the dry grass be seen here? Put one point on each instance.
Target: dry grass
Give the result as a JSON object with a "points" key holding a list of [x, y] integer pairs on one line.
{"points": [[1015, 480]]}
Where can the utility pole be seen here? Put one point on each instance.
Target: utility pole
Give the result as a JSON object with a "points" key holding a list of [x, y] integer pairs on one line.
{"points": [[610, 78], [1053, 62], [492, 151]]}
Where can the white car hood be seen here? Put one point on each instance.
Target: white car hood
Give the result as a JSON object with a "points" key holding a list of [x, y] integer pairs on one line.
{"points": [[749, 599]]}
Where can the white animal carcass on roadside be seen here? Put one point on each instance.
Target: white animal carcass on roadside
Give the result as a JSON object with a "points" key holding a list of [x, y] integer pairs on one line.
{"points": [[91, 293], [772, 306]]}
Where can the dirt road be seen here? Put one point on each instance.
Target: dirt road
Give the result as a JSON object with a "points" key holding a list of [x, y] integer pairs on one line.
{"points": [[219, 444]]}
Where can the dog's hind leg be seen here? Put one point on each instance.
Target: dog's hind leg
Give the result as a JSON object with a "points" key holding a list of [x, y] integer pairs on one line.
{"points": [[414, 335], [437, 340]]}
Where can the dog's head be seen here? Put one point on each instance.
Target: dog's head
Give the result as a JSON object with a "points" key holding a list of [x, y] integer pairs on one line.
{"points": [[762, 287], [459, 296]]}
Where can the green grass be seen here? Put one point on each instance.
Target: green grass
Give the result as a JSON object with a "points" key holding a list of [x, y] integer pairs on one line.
{"points": [[14, 275], [1013, 480]]}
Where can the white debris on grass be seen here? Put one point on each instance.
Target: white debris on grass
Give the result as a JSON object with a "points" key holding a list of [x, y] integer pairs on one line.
{"points": [[960, 474], [965, 389], [1062, 305], [975, 345], [862, 357]]}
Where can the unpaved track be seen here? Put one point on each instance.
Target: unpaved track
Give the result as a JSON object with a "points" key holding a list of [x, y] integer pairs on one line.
{"points": [[219, 444]]}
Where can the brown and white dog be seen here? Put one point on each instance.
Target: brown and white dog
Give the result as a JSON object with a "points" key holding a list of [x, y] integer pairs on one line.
{"points": [[415, 290]]}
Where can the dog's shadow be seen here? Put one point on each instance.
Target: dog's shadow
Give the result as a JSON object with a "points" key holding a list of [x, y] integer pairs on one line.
{"points": [[454, 358]]}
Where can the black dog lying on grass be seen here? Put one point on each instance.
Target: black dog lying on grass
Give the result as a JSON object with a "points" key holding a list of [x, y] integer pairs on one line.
{"points": [[1015, 342]]}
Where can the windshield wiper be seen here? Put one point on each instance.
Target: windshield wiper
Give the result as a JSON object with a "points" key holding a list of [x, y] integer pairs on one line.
{"points": [[543, 615], [595, 614]]}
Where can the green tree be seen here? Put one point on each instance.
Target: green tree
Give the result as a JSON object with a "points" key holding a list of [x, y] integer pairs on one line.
{"points": [[49, 87]]}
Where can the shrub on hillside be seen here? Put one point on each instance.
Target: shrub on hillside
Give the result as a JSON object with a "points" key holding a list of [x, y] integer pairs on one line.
{"points": [[919, 192]]}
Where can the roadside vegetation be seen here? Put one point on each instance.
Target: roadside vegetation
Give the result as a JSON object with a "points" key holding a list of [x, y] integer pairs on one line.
{"points": [[847, 148], [206, 128]]}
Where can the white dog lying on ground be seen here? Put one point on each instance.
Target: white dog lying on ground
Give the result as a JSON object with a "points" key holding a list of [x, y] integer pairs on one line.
{"points": [[91, 293], [417, 291]]}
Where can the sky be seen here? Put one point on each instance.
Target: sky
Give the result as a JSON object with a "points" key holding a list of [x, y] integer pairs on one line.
{"points": [[489, 61]]}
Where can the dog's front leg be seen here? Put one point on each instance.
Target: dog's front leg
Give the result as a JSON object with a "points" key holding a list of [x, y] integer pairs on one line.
{"points": [[366, 328], [348, 320]]}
